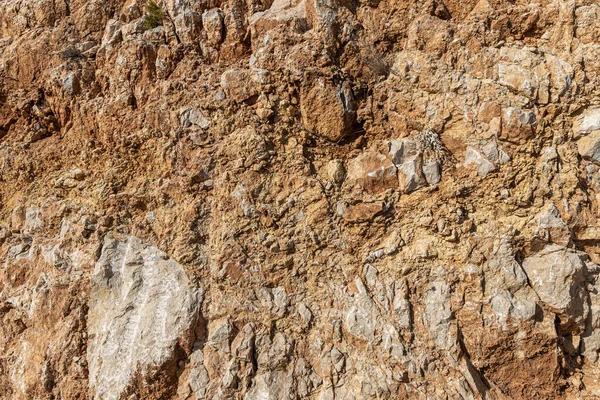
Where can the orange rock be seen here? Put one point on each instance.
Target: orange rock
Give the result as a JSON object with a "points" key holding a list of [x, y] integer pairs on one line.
{"points": [[328, 110], [362, 212]]}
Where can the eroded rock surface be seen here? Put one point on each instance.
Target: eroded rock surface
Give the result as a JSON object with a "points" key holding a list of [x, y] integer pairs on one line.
{"points": [[299, 199]]}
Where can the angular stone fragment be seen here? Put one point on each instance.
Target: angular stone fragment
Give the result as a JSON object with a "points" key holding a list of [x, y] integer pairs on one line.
{"points": [[561, 76], [587, 122], [410, 175], [509, 294], [495, 154], [220, 334], [552, 226], [193, 116], [432, 171], [281, 12], [328, 110], [407, 157], [438, 315], [362, 317], [518, 79], [558, 276], [71, 84], [403, 150], [212, 22], [141, 305], [373, 171], [590, 345], [474, 157], [517, 125], [362, 212], [240, 84], [589, 146], [112, 33], [336, 171]]}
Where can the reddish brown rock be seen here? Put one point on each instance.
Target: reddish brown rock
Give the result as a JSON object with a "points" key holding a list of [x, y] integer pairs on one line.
{"points": [[362, 212], [328, 110]]}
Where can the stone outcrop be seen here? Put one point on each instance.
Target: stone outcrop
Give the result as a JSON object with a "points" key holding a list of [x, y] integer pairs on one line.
{"points": [[299, 199]]}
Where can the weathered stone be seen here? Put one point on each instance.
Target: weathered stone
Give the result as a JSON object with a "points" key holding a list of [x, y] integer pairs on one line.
{"points": [[474, 157], [438, 315], [407, 157], [586, 28], [552, 227], [288, 13], [489, 110], [336, 171], [141, 305], [372, 171], [432, 171], [328, 110], [112, 33], [220, 334], [517, 125], [587, 122], [494, 153], [561, 76], [240, 84], [410, 175], [193, 116], [305, 313], [518, 79], [402, 151], [360, 319], [509, 294], [33, 220], [71, 84], [589, 146], [198, 377], [188, 24], [212, 22], [558, 277], [362, 212]]}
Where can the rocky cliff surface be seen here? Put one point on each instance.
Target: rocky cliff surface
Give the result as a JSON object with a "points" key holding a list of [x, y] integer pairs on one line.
{"points": [[299, 199]]}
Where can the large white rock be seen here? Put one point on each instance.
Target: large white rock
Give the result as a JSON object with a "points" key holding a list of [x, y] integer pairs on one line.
{"points": [[362, 317], [141, 304], [509, 295], [558, 276], [438, 314]]}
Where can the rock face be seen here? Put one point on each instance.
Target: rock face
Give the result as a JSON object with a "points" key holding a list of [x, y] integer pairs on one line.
{"points": [[299, 199], [328, 110], [142, 307]]}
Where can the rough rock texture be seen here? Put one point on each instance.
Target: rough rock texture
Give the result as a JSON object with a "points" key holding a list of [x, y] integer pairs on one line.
{"points": [[370, 199], [141, 306]]}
